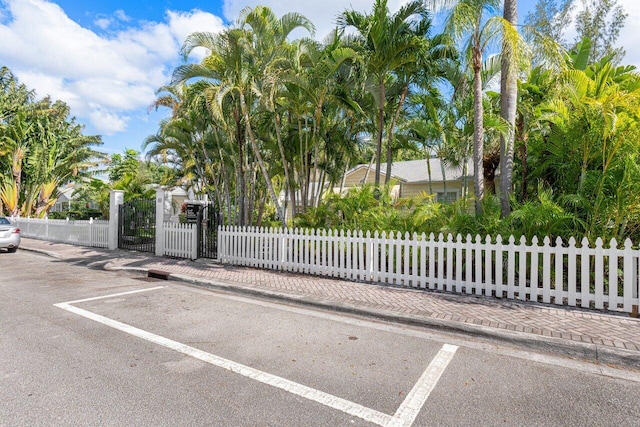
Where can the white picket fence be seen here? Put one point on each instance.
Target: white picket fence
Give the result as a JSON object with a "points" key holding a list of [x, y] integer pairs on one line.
{"points": [[596, 277], [180, 240], [86, 233]]}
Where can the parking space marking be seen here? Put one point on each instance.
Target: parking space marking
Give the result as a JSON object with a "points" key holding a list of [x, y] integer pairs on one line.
{"points": [[415, 400], [114, 295], [404, 416]]}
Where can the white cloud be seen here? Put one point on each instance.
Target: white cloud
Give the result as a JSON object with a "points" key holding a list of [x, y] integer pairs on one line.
{"points": [[105, 79], [102, 23], [107, 122], [48, 85], [182, 24], [119, 14]]}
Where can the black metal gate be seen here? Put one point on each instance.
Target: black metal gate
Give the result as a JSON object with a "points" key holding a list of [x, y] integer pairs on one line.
{"points": [[209, 218], [137, 225]]}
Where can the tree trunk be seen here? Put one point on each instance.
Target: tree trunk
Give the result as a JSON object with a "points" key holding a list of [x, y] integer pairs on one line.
{"points": [[255, 195], [490, 165], [285, 165], [465, 181], [303, 167], [524, 168], [444, 180], [315, 179], [405, 91], [263, 168], [429, 170], [366, 174], [478, 131], [241, 200], [380, 131], [342, 181], [508, 107], [322, 181]]}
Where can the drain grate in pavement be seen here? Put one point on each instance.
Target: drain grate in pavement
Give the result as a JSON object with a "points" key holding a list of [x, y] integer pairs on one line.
{"points": [[158, 274]]}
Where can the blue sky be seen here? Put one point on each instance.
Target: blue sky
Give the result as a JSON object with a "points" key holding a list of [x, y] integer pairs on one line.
{"points": [[106, 58]]}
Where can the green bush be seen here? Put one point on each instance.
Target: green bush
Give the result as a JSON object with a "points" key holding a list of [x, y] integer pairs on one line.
{"points": [[365, 209], [78, 215]]}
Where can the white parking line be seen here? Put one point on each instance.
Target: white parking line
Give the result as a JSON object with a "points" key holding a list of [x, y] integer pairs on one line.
{"points": [[410, 408], [114, 295], [404, 416]]}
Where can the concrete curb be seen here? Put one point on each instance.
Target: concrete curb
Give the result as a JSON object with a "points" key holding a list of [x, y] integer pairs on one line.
{"points": [[552, 345], [43, 252]]}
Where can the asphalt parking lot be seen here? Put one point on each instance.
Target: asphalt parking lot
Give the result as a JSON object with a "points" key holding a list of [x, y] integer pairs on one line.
{"points": [[88, 347]]}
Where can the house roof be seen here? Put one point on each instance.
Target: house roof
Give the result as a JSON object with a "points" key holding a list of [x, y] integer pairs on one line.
{"points": [[416, 171], [66, 193]]}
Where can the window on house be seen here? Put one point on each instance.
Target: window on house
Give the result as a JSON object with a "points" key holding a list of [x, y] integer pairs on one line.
{"points": [[446, 198]]}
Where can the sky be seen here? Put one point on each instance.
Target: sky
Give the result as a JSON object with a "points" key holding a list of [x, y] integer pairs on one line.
{"points": [[107, 58]]}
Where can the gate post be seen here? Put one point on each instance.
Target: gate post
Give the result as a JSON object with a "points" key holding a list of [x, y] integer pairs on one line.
{"points": [[161, 199], [116, 198]]}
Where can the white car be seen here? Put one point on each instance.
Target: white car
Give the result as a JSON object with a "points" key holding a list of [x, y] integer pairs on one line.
{"points": [[9, 235]]}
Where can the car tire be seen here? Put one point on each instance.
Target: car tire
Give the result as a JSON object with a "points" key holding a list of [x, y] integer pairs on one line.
{"points": [[12, 250]]}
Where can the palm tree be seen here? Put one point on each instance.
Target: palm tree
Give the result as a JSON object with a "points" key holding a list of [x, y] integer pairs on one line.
{"points": [[423, 75], [41, 148], [15, 145], [508, 108], [387, 43], [586, 152], [239, 59], [318, 101], [476, 22]]}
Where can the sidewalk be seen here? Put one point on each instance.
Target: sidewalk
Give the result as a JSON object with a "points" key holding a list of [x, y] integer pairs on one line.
{"points": [[585, 334]]}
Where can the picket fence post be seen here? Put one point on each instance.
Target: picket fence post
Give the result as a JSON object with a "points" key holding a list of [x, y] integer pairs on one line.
{"points": [[585, 251], [533, 278], [630, 276], [91, 231], [546, 270], [522, 269], [116, 198], [194, 241]]}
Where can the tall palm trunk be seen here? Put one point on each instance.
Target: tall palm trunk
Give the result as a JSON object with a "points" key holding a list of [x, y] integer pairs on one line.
{"points": [[256, 152], [285, 165], [508, 106], [405, 91], [302, 176], [382, 91], [366, 174], [443, 170], [478, 130], [342, 181], [465, 180], [426, 151], [524, 170], [242, 184]]}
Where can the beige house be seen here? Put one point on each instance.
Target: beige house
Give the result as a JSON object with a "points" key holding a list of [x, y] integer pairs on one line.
{"points": [[412, 177], [63, 202]]}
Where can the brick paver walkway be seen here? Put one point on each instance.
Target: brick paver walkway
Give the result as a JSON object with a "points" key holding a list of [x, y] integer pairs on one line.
{"points": [[609, 330]]}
